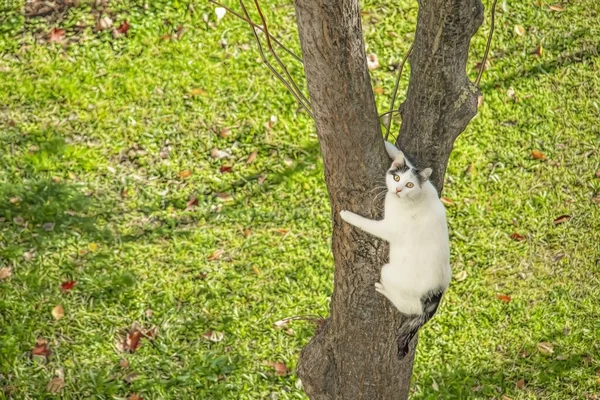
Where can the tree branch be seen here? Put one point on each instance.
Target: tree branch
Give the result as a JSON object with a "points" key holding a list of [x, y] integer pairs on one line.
{"points": [[400, 68], [487, 46]]}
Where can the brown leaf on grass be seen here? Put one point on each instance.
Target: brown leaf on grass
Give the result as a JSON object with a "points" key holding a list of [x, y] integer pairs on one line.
{"points": [[56, 35], [5, 273], [251, 157], [446, 201], [124, 27], [521, 383], [379, 90], [192, 203], [595, 199], [517, 237], [461, 276], [562, 219], [41, 348], [505, 397], [186, 173], [247, 232], [556, 7], [17, 199], [545, 348], [219, 154], [66, 286], [225, 132], [29, 255], [504, 298], [135, 396], [538, 155], [539, 51], [598, 174], [198, 92], [104, 23], [151, 333], [520, 30], [124, 363], [133, 340], [58, 312], [224, 196], [261, 179], [216, 255], [225, 169], [213, 336], [279, 367], [56, 385]]}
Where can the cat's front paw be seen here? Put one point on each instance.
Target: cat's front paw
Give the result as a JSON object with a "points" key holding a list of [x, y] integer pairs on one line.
{"points": [[345, 215]]}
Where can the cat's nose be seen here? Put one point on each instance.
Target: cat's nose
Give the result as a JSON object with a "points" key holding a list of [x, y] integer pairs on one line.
{"points": [[398, 190]]}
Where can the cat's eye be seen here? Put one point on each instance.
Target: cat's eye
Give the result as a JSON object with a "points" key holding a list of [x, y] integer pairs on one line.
{"points": [[396, 178], [410, 184]]}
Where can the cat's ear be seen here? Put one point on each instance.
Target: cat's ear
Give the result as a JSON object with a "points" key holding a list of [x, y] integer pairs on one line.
{"points": [[399, 160], [425, 174], [391, 150]]}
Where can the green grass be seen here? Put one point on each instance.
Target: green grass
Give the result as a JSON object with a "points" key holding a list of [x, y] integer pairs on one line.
{"points": [[82, 128]]}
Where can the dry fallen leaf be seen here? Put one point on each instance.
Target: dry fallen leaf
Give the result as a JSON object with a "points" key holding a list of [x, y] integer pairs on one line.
{"points": [[215, 255], [225, 132], [281, 324], [41, 348], [539, 51], [185, 173], [379, 90], [372, 61], [446, 201], [561, 219], [517, 236], [225, 169], [521, 383], [224, 196], [17, 200], [280, 368], [218, 154], [220, 12], [596, 199], [104, 23], [124, 363], [58, 312], [461, 276], [197, 92], [556, 7], [510, 92], [505, 397], [545, 348], [213, 336], [247, 232], [133, 340], [5, 272], [56, 35], [56, 385], [251, 157], [192, 203], [123, 28], [538, 155], [135, 396], [520, 30], [66, 286], [504, 298]]}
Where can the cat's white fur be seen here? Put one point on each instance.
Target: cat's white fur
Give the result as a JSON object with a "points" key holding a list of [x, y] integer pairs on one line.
{"points": [[415, 226]]}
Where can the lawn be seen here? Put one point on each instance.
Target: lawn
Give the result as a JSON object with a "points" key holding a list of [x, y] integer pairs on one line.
{"points": [[163, 189]]}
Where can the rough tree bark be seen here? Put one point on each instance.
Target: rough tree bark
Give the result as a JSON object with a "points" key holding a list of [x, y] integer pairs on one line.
{"points": [[353, 356]]}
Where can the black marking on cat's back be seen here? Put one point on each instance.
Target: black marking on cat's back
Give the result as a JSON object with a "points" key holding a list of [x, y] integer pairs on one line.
{"points": [[413, 323]]}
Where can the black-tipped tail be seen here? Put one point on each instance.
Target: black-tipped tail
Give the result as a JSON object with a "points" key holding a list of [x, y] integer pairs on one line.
{"points": [[413, 323]]}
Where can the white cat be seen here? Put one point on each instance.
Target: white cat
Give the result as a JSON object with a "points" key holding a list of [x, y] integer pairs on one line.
{"points": [[418, 272]]}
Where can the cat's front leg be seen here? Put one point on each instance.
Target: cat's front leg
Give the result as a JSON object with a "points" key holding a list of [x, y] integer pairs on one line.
{"points": [[375, 228]]}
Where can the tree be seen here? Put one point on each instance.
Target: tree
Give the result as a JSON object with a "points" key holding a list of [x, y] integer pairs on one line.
{"points": [[353, 355]]}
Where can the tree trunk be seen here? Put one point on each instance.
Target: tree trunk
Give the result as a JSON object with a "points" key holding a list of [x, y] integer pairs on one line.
{"points": [[354, 355]]}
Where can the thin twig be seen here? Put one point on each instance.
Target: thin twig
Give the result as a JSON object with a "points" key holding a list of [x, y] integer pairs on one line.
{"points": [[388, 125], [272, 51], [487, 47], [273, 70], [291, 53]]}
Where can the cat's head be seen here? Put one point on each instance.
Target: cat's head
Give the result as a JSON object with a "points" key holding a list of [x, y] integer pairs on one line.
{"points": [[404, 180]]}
